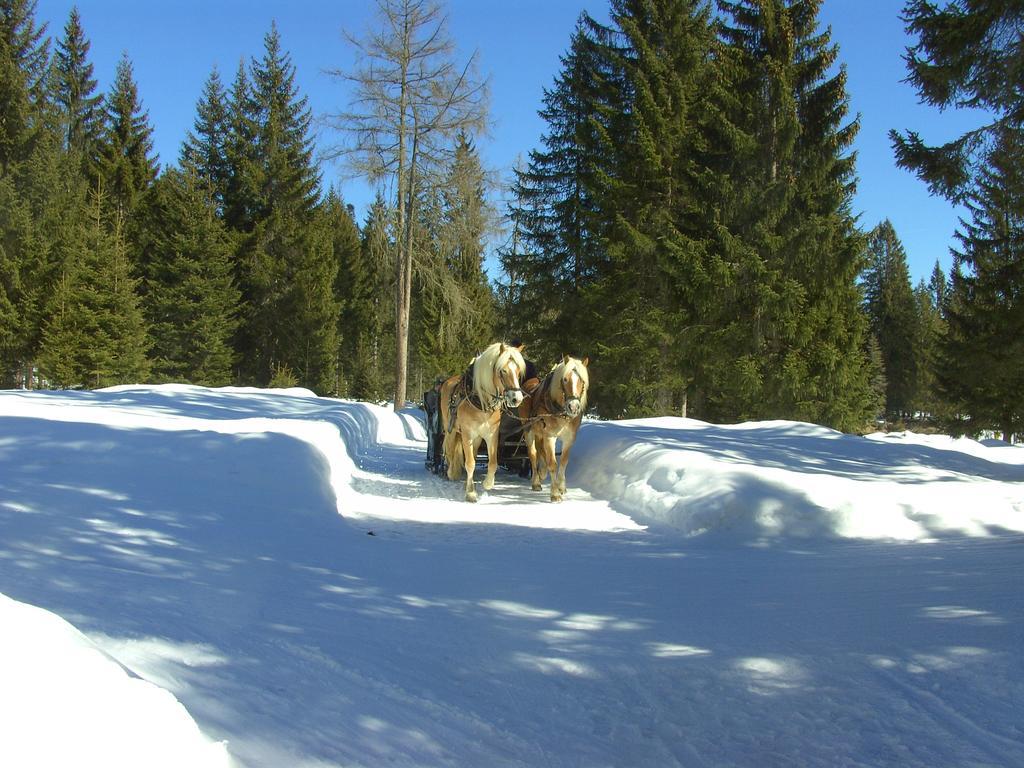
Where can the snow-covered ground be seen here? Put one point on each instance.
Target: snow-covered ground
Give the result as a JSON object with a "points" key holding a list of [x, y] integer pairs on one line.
{"points": [[770, 594]]}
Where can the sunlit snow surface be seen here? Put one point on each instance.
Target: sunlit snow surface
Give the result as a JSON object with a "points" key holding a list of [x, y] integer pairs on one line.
{"points": [[757, 594]]}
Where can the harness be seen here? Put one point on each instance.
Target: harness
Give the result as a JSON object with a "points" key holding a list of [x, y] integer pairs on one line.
{"points": [[554, 408], [465, 390]]}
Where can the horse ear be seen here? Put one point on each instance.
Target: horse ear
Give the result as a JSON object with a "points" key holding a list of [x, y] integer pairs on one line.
{"points": [[565, 358], [586, 362], [502, 348]]}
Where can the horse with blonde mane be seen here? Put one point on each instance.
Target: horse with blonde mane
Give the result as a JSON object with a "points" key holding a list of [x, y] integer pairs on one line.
{"points": [[554, 412], [471, 407]]}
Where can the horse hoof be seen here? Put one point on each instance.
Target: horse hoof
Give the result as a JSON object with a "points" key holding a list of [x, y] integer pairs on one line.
{"points": [[556, 498], [471, 496], [488, 483], [536, 487]]}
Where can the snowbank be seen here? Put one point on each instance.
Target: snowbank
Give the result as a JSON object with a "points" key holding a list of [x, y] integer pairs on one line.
{"points": [[780, 479], [67, 703]]}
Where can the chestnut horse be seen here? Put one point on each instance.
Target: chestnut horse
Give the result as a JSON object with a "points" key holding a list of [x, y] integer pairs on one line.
{"points": [[554, 412], [471, 406]]}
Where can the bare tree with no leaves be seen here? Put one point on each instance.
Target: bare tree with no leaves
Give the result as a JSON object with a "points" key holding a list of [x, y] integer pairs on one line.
{"points": [[410, 100]]}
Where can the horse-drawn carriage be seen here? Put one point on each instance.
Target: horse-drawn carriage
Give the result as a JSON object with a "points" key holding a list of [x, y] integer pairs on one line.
{"points": [[512, 452], [490, 410]]}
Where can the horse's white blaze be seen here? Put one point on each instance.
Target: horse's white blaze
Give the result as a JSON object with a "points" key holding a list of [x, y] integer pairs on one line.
{"points": [[574, 383]]}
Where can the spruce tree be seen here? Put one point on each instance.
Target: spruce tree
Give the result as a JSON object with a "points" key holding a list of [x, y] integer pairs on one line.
{"points": [[205, 151], [353, 297], [191, 303], [930, 328], [558, 247], [457, 304], [286, 267], [127, 166], [980, 373], [24, 66], [31, 187], [75, 93], [240, 193], [893, 315], [378, 254], [804, 358], [658, 243], [95, 333], [967, 54]]}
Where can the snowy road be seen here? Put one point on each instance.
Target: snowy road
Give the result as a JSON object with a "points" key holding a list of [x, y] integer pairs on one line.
{"points": [[196, 537]]}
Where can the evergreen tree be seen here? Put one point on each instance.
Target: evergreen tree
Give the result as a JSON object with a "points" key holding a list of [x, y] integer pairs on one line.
{"points": [[286, 267], [191, 303], [16, 228], [240, 192], [95, 333], [127, 166], [804, 358], [31, 187], [457, 304], [557, 245], [205, 151], [24, 65], [893, 315], [659, 266], [75, 93], [353, 287], [981, 373], [378, 254], [930, 328], [967, 55]]}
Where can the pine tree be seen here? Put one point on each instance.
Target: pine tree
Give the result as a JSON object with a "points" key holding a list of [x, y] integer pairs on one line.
{"points": [[557, 248], [127, 166], [378, 254], [191, 303], [658, 244], [95, 334], [804, 357], [930, 328], [24, 66], [75, 93], [893, 315], [205, 151], [981, 374], [457, 304], [240, 152], [286, 267], [31, 187], [353, 297], [967, 55]]}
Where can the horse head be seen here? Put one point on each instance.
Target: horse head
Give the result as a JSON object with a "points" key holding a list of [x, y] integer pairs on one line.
{"points": [[498, 374], [509, 368], [569, 384]]}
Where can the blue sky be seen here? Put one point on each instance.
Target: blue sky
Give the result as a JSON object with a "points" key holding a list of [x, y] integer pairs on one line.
{"points": [[174, 44]]}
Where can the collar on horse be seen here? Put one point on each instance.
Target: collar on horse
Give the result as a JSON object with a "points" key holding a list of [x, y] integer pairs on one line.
{"points": [[544, 391], [465, 390]]}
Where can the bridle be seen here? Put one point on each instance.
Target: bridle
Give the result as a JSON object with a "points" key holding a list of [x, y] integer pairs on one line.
{"points": [[502, 392]]}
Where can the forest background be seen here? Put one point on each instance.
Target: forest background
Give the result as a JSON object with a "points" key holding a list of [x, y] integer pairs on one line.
{"points": [[686, 222]]}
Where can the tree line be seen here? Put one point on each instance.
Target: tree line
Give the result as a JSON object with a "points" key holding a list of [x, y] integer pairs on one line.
{"points": [[687, 222], [232, 266]]}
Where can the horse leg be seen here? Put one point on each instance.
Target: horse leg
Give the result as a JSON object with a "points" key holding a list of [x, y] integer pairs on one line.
{"points": [[552, 467], [492, 459], [469, 456], [531, 450], [562, 464]]}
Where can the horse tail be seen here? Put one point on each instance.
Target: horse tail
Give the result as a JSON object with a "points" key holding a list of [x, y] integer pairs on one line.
{"points": [[453, 454]]}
